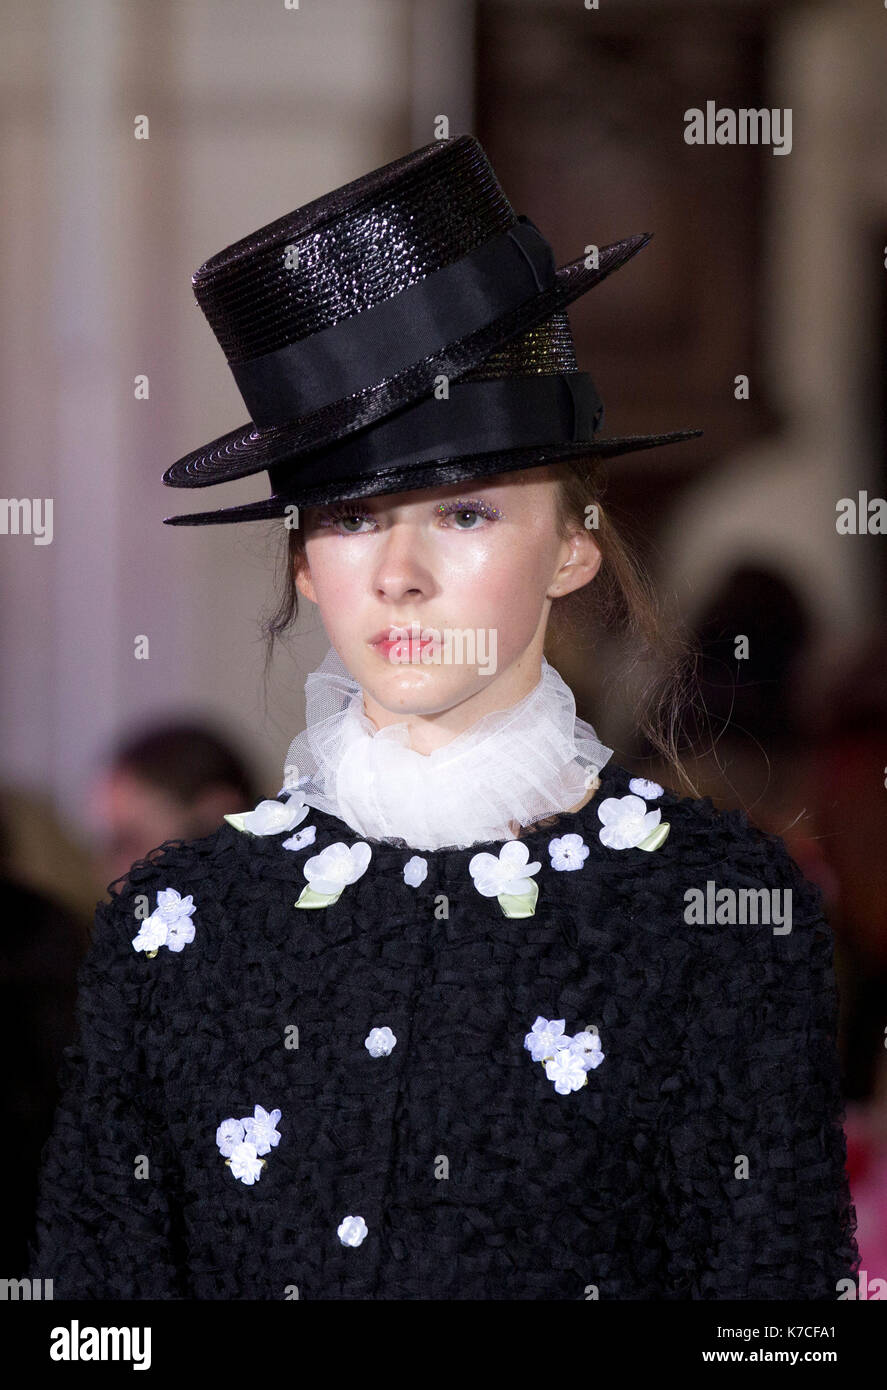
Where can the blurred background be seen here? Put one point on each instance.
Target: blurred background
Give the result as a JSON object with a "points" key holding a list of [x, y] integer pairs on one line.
{"points": [[132, 699]]}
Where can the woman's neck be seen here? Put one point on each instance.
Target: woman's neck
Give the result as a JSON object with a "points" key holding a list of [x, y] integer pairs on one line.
{"points": [[520, 830]]}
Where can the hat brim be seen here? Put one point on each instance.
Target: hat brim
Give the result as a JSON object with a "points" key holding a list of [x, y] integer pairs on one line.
{"points": [[250, 449], [438, 473]]}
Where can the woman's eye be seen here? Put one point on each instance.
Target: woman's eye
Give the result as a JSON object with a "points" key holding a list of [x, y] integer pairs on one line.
{"points": [[337, 521], [467, 511], [474, 511], [465, 518]]}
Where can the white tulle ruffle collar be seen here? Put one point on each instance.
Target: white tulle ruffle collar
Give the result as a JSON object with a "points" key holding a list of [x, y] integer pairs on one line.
{"points": [[514, 766]]}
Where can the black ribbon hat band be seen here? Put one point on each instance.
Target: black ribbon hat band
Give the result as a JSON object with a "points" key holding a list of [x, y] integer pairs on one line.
{"points": [[450, 303], [478, 417]]}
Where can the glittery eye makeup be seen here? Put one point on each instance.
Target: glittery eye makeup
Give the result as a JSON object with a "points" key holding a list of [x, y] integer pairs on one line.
{"points": [[469, 504], [332, 515]]}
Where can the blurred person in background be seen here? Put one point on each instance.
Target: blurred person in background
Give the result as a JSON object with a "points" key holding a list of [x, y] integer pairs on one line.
{"points": [[746, 732], [172, 781], [846, 795], [45, 886], [40, 850], [849, 798]]}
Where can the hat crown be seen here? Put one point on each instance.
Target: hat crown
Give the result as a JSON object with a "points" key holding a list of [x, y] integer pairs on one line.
{"points": [[351, 249]]}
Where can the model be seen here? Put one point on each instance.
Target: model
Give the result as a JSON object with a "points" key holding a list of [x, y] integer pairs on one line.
{"points": [[467, 1011]]}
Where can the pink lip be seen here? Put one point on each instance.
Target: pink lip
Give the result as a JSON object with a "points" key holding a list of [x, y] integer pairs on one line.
{"points": [[383, 637], [387, 647], [408, 647]]}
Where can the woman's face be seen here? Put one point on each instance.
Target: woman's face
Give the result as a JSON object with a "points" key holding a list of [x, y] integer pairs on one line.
{"points": [[471, 566]]}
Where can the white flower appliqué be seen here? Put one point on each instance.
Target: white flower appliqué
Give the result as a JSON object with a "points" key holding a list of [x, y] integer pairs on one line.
{"points": [[648, 790], [565, 1069], [507, 872], [179, 934], [628, 823], [507, 877], [379, 1042], [352, 1231], [567, 1060], [229, 1134], [568, 852], [169, 924], [588, 1047], [260, 1130], [415, 871], [546, 1038], [300, 840], [270, 817], [241, 1142], [331, 871], [152, 935], [245, 1164], [171, 905]]}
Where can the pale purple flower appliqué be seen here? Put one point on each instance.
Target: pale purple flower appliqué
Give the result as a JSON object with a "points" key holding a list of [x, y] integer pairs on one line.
{"points": [[648, 790], [169, 924], [242, 1142], [546, 1037], [379, 1042], [568, 852], [179, 934], [415, 871], [566, 1060], [260, 1130], [587, 1047], [171, 905], [228, 1135], [304, 837], [352, 1231]]}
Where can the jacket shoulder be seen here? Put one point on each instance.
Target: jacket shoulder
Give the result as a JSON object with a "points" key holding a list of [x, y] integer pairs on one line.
{"points": [[172, 856], [725, 873], [201, 869]]}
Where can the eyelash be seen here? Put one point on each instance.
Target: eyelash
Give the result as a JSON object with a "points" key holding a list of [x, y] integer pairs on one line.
{"points": [[331, 516]]}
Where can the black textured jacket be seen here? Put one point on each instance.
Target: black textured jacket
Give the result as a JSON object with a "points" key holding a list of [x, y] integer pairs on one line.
{"points": [[703, 1158]]}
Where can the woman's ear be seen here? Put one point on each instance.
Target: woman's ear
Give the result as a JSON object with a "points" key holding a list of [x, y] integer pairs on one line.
{"points": [[302, 573], [580, 566]]}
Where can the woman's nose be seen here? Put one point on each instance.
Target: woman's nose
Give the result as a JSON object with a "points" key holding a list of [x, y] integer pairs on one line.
{"points": [[402, 565]]}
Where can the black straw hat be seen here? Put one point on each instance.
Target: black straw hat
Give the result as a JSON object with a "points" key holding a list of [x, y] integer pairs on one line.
{"points": [[403, 330]]}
